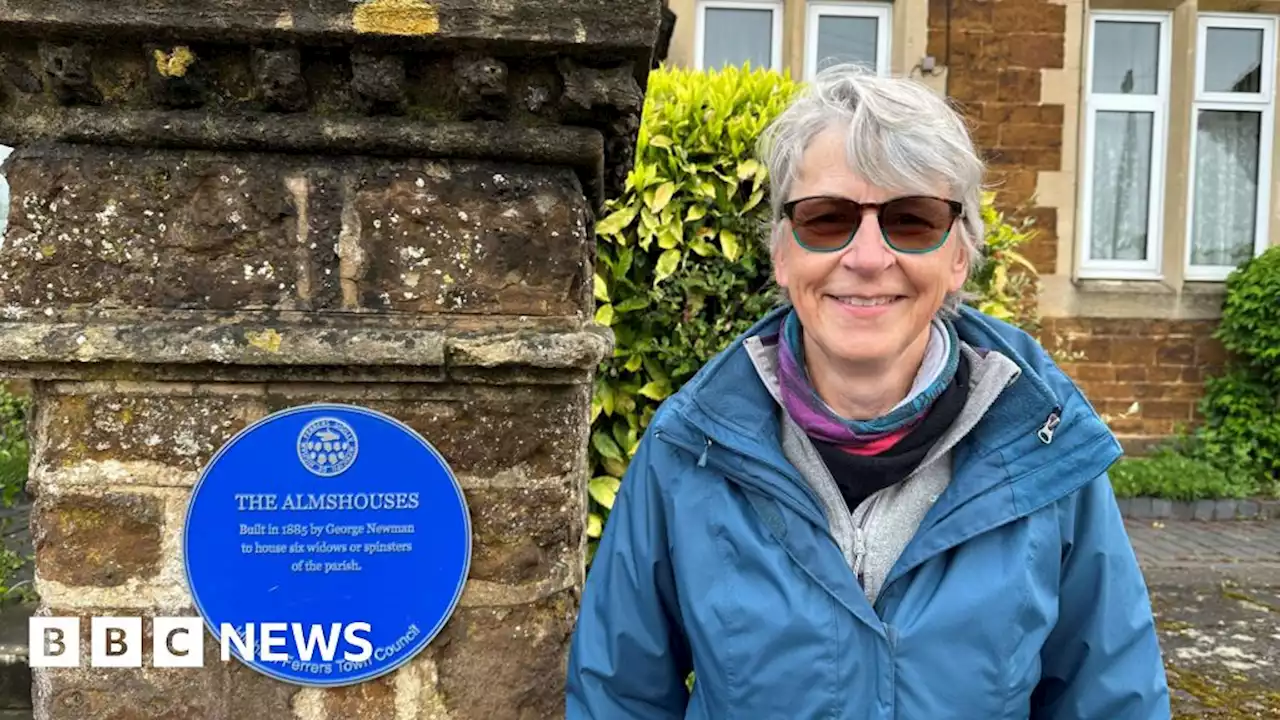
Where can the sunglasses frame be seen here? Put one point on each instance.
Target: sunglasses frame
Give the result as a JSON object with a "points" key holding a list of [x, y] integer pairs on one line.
{"points": [[788, 210]]}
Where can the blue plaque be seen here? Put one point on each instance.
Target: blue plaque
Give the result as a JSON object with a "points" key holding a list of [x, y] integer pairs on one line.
{"points": [[332, 542]]}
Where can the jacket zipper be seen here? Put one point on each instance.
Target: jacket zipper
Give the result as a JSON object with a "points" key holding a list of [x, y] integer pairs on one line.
{"points": [[860, 549], [1045, 433]]}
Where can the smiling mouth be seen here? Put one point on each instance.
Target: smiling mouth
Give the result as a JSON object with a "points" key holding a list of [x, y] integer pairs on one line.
{"points": [[866, 301]]}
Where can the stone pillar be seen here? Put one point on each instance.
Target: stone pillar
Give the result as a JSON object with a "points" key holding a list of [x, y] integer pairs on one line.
{"points": [[222, 208]]}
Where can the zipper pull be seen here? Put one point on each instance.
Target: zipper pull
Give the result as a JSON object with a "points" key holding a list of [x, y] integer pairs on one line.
{"points": [[859, 555], [702, 460], [1045, 433]]}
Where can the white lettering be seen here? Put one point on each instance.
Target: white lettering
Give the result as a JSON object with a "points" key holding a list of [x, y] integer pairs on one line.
{"points": [[245, 646], [354, 639], [270, 640], [316, 637]]}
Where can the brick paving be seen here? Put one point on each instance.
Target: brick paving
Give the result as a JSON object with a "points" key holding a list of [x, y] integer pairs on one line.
{"points": [[1177, 542], [1174, 552]]}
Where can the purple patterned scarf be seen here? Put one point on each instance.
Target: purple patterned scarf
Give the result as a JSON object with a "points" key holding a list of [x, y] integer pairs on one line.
{"points": [[860, 437]]}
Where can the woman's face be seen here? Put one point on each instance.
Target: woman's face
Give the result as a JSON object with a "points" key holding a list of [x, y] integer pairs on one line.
{"points": [[866, 304]]}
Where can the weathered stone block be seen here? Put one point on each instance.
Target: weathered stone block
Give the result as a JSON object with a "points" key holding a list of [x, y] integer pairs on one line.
{"points": [[376, 698], [146, 693], [250, 694], [180, 430], [97, 540], [480, 431], [480, 239], [482, 86], [69, 71], [113, 229], [523, 534], [278, 74], [379, 80], [617, 28], [506, 663], [187, 230]]}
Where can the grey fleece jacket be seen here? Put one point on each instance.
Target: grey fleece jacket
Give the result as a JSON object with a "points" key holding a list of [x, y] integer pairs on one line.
{"points": [[873, 535]]}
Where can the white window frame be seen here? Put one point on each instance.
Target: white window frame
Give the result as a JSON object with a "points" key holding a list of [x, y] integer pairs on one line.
{"points": [[1262, 103], [882, 12], [699, 35], [1158, 106]]}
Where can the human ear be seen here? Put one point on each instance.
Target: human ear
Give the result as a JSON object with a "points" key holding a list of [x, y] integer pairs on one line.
{"points": [[780, 270]]}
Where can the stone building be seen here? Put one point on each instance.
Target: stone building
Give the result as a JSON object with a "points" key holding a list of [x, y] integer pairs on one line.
{"points": [[1137, 135]]}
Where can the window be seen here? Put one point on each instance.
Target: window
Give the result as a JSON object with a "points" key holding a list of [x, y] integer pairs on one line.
{"points": [[1217, 176], [1126, 101], [1230, 144], [733, 32], [842, 32]]}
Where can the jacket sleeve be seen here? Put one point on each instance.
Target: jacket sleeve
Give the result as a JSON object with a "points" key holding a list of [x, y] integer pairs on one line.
{"points": [[1103, 659], [628, 658]]}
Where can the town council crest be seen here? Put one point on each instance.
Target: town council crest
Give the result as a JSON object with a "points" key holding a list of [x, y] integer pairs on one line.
{"points": [[327, 446]]}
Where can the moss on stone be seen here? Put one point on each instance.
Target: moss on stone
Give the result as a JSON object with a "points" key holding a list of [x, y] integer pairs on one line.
{"points": [[1226, 699], [1246, 598]]}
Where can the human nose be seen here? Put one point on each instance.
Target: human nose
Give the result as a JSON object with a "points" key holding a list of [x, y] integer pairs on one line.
{"points": [[867, 251]]}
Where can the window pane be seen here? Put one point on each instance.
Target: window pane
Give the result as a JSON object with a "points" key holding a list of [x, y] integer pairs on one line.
{"points": [[737, 36], [1126, 58], [1233, 60], [1225, 213], [1121, 185], [847, 39]]}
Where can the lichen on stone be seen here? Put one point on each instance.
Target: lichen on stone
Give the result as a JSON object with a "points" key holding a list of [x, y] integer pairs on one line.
{"points": [[268, 340], [396, 17], [175, 63]]}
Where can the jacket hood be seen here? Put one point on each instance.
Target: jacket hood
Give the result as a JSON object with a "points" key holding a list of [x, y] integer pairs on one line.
{"points": [[1039, 442]]}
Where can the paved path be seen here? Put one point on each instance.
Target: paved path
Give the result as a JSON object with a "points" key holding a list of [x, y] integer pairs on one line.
{"points": [[1215, 589], [1177, 552]]}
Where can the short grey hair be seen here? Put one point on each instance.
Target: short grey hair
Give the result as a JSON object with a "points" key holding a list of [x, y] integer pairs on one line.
{"points": [[902, 137]]}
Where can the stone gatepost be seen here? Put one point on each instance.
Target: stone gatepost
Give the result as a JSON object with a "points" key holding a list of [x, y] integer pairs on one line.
{"points": [[223, 208]]}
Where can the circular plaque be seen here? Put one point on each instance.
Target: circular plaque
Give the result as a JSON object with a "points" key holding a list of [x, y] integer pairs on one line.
{"points": [[326, 544]]}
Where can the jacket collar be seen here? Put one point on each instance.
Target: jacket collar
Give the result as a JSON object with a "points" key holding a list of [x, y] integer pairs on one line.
{"points": [[1041, 440]]}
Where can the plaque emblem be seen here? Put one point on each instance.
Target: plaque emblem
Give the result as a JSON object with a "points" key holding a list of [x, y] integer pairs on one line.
{"points": [[327, 446]]}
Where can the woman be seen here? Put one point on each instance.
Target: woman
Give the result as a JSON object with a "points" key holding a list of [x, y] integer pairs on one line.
{"points": [[876, 503]]}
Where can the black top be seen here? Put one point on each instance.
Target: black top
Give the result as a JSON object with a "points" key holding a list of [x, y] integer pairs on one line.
{"points": [[860, 476]]}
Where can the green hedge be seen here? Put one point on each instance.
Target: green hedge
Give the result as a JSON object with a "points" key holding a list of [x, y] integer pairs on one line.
{"points": [[14, 456], [1240, 433], [1250, 327], [683, 266]]}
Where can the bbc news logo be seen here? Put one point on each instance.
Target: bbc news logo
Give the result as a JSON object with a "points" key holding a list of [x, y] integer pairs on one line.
{"points": [[178, 642]]}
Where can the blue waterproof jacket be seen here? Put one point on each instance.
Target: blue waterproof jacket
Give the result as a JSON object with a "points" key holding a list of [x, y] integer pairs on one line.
{"points": [[1019, 596]]}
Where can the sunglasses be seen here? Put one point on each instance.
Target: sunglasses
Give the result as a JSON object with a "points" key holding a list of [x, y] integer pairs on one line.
{"points": [[915, 224]]}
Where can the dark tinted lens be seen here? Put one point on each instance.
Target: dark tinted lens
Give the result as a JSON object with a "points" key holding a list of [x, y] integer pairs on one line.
{"points": [[915, 223], [825, 223]]}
